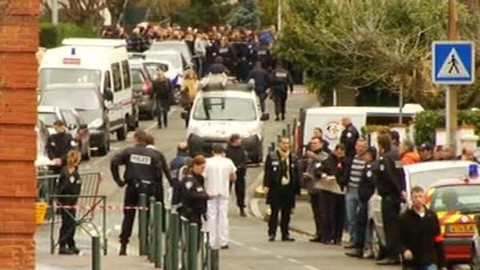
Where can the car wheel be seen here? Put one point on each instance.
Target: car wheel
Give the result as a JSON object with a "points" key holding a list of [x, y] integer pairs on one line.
{"points": [[105, 147], [377, 248], [122, 131], [475, 260], [87, 154]]}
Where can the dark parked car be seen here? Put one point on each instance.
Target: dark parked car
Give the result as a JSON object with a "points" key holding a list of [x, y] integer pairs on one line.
{"points": [[74, 122], [142, 88]]}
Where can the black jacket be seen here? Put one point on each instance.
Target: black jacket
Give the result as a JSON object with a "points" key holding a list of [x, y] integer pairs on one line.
{"points": [[422, 237], [193, 197], [390, 179], [281, 80], [333, 166], [349, 138], [141, 163], [366, 187], [261, 78], [238, 155], [281, 195], [68, 184], [162, 90], [58, 145]]}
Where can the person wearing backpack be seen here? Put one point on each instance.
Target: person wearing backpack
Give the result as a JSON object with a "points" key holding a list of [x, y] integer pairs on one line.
{"points": [[163, 94]]}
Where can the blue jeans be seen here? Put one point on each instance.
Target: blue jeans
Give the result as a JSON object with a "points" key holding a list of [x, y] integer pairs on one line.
{"points": [[431, 266], [351, 203]]}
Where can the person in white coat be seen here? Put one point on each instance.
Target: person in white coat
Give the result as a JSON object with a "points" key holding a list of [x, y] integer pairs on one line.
{"points": [[219, 171]]}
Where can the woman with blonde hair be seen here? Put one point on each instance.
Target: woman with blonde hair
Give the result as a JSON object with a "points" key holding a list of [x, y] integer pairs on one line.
{"points": [[69, 185], [189, 91]]}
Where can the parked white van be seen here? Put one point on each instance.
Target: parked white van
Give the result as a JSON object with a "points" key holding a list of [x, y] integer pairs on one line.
{"points": [[99, 61]]}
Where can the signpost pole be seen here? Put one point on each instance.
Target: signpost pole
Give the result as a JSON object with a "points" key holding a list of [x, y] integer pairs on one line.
{"points": [[451, 91]]}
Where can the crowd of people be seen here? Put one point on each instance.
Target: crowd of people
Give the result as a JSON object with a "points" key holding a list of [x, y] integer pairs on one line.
{"points": [[340, 183]]}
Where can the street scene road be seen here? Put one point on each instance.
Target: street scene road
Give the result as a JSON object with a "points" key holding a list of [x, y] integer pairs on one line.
{"points": [[249, 248]]}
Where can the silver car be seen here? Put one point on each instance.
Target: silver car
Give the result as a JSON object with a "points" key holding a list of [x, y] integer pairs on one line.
{"points": [[420, 174]]}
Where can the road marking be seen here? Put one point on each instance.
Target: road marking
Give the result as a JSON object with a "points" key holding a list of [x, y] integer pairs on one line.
{"points": [[236, 243], [310, 267], [294, 261], [155, 124]]}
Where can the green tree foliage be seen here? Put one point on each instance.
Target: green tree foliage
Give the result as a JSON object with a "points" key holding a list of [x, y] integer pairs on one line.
{"points": [[268, 9], [202, 13], [245, 15], [52, 35], [427, 122], [372, 43]]}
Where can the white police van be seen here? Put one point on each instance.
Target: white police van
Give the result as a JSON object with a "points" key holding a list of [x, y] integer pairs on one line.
{"points": [[102, 62], [220, 111]]}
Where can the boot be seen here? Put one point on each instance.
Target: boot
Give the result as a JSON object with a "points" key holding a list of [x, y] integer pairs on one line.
{"points": [[356, 253], [65, 251], [123, 249], [242, 212]]}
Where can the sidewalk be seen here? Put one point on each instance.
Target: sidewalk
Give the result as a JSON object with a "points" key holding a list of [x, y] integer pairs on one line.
{"points": [[302, 219]]}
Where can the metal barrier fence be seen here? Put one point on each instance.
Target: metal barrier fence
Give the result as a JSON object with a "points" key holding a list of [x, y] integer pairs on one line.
{"points": [[174, 243]]}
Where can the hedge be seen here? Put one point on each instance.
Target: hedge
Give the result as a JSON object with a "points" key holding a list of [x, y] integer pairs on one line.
{"points": [[52, 35], [427, 122]]}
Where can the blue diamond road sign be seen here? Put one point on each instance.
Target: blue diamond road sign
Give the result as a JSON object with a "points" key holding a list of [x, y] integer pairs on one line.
{"points": [[453, 62]]}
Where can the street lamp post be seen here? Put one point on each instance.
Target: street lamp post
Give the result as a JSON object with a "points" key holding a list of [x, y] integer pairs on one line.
{"points": [[54, 12], [451, 91]]}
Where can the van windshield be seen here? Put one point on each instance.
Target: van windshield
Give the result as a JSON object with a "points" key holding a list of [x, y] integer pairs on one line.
{"points": [[81, 99], [225, 108], [50, 76]]}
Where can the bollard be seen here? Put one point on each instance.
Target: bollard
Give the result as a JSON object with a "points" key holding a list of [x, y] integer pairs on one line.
{"points": [[215, 259], [151, 247], [167, 261], [192, 248], [96, 265], [272, 145], [289, 130], [142, 224], [157, 234], [284, 132], [174, 237]]}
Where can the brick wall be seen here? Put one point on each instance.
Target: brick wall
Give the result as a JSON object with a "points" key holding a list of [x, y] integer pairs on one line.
{"points": [[19, 24]]}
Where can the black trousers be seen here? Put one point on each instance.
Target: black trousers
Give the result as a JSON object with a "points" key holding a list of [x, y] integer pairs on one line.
{"points": [[390, 212], [362, 219], [163, 106], [280, 99], [131, 199], [285, 212], [262, 96], [67, 230], [315, 203], [333, 216], [240, 187]]}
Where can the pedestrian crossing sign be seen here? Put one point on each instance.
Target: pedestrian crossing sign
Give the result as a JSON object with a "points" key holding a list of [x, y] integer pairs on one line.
{"points": [[453, 62]]}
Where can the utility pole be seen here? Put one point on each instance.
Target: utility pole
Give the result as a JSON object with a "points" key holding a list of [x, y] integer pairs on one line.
{"points": [[54, 12], [451, 90]]}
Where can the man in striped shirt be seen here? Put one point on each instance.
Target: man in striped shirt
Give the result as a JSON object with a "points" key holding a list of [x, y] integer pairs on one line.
{"points": [[353, 177]]}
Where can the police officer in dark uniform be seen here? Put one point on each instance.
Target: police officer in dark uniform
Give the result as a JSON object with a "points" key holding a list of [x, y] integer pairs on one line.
{"points": [[69, 186], [261, 79], [366, 189], [349, 137], [217, 67], [236, 152], [143, 169], [391, 187], [193, 195], [262, 54], [281, 182], [242, 67], [58, 145], [281, 80]]}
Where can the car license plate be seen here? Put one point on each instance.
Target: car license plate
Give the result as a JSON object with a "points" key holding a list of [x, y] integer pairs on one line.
{"points": [[461, 228]]}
